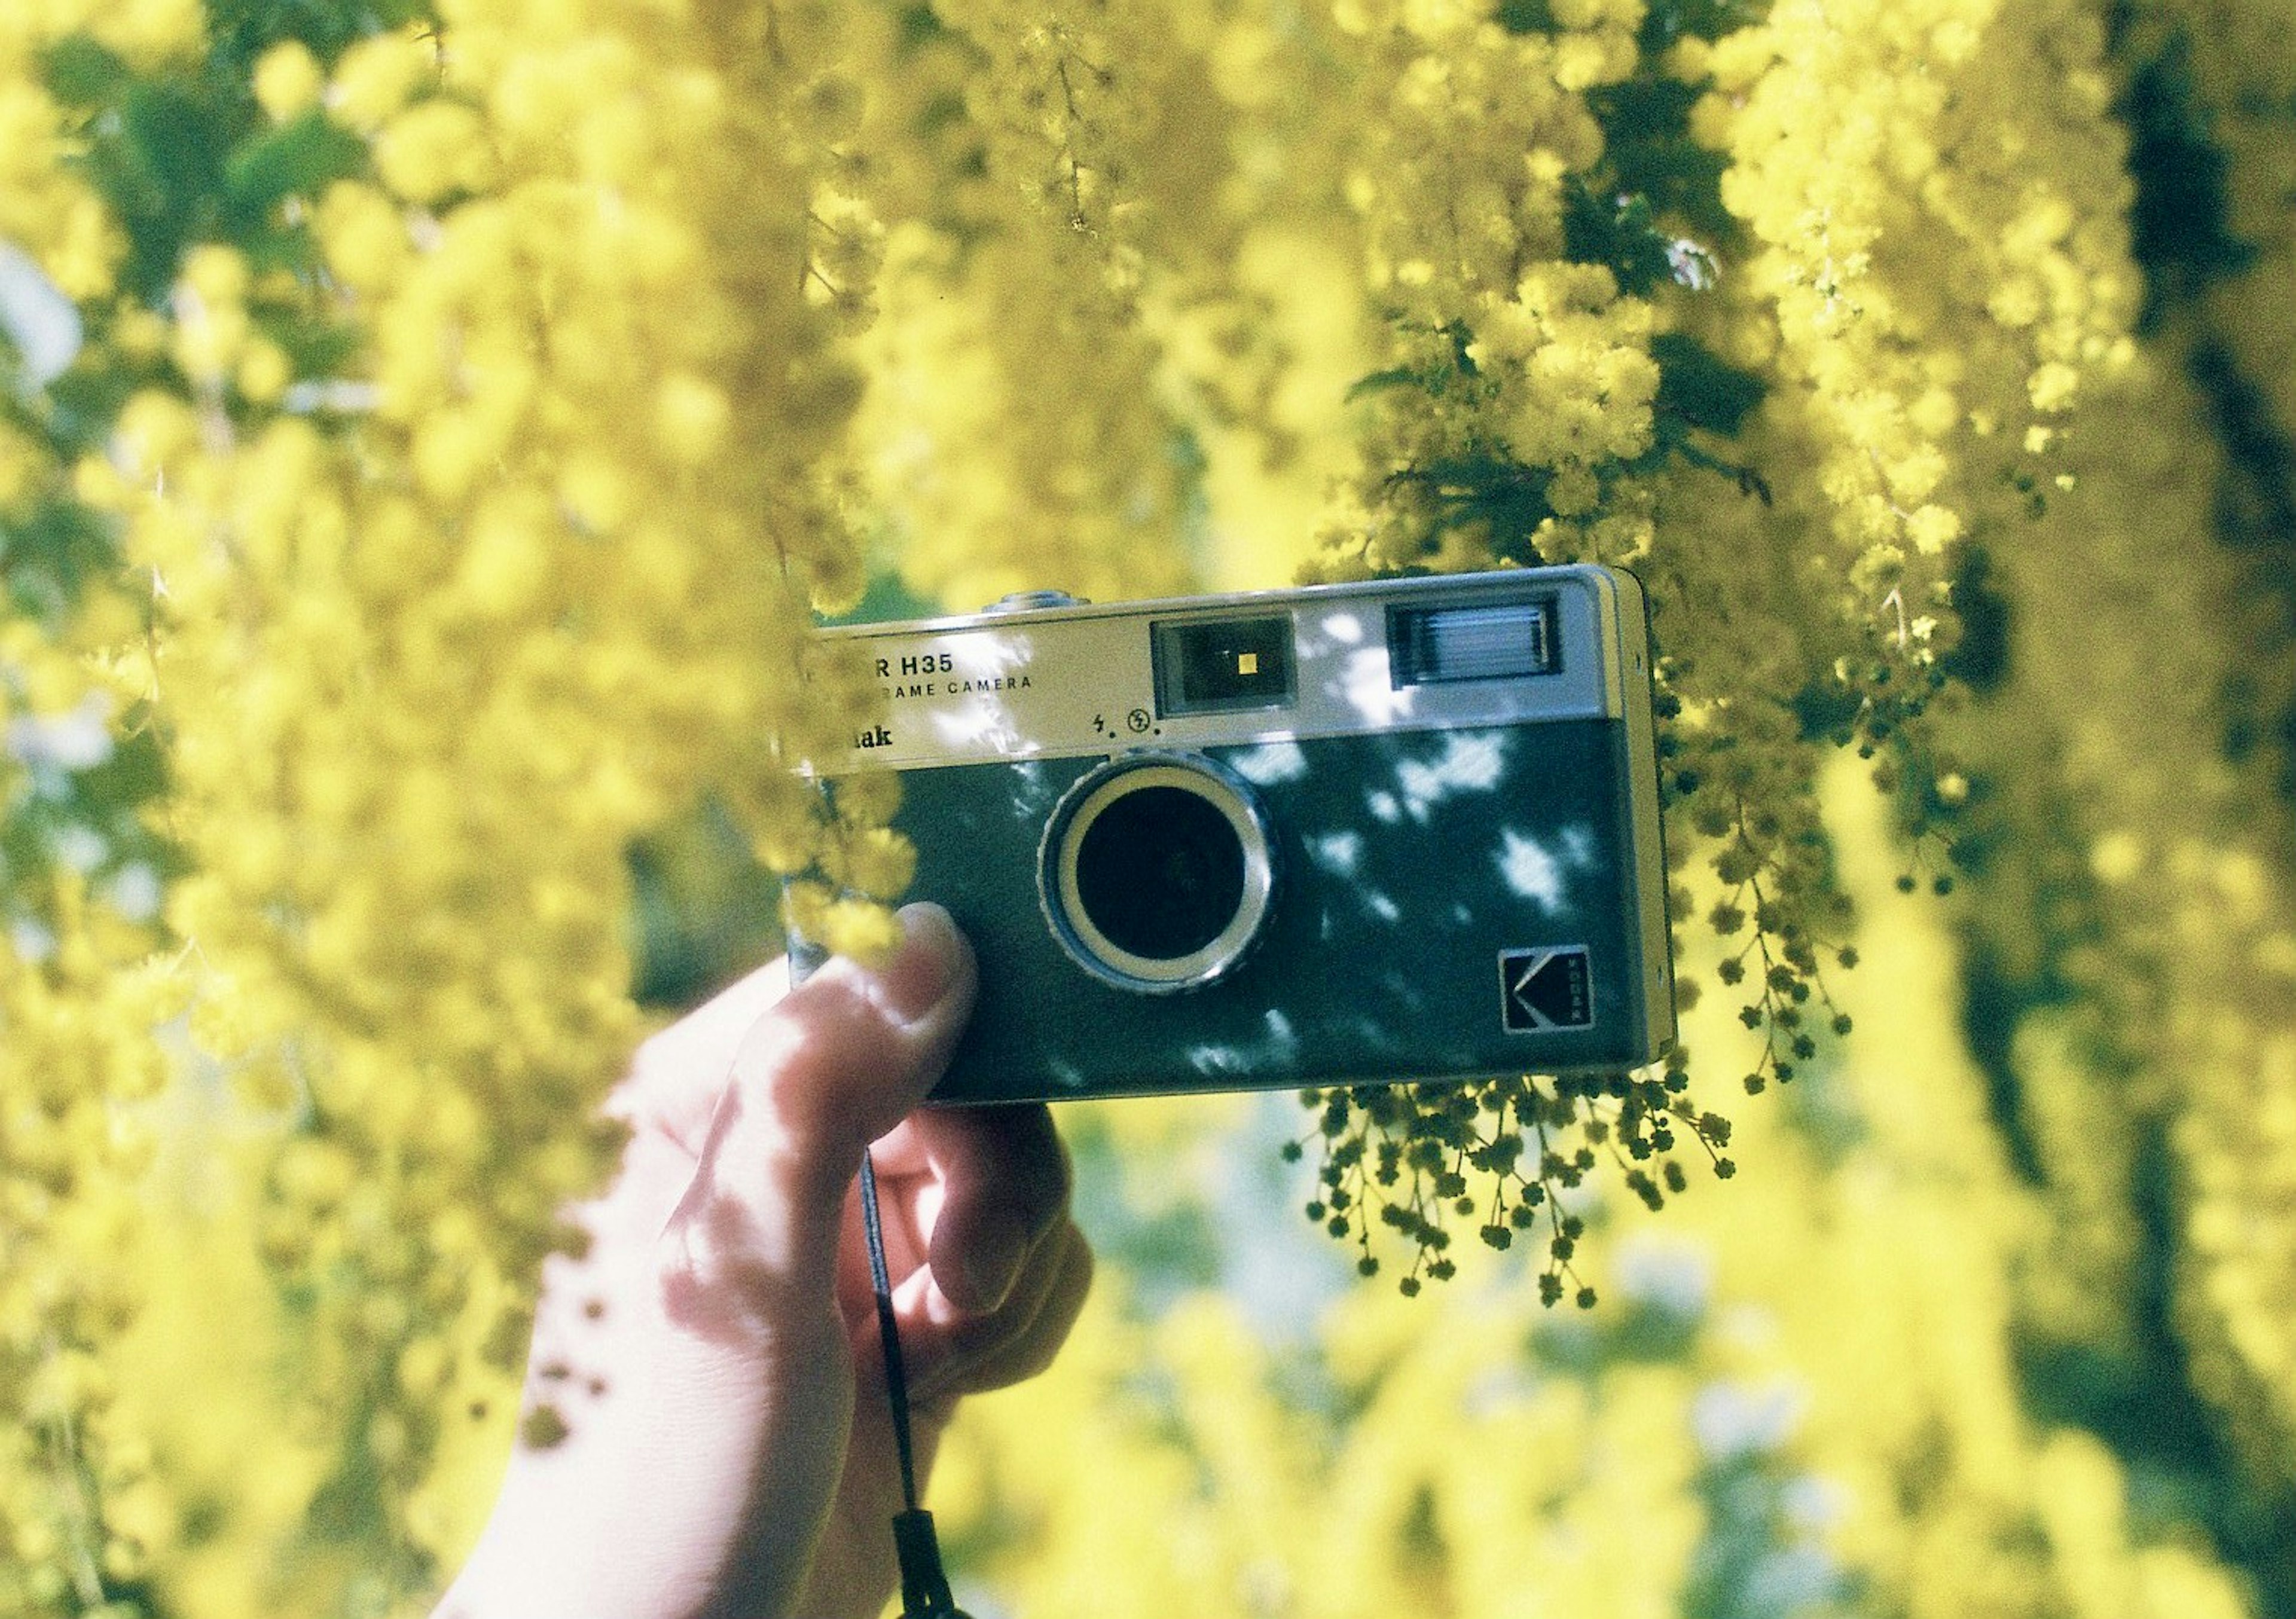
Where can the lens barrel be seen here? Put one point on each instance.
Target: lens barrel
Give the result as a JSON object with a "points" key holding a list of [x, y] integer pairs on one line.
{"points": [[1155, 872]]}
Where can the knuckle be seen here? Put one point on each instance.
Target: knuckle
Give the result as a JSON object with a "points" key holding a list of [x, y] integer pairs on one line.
{"points": [[821, 1062]]}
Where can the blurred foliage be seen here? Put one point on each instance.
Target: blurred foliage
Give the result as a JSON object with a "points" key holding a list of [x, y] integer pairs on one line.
{"points": [[426, 434]]}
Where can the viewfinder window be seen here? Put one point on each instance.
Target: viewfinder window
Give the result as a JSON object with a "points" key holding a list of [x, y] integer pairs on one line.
{"points": [[1494, 641], [1220, 666]]}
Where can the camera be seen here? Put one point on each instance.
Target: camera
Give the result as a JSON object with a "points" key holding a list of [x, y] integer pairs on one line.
{"points": [[1399, 830]]}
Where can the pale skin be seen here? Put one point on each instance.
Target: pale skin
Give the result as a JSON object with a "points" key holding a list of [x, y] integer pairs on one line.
{"points": [[713, 1356]]}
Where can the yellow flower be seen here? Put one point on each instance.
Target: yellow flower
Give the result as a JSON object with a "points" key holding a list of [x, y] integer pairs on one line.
{"points": [[379, 74], [433, 150], [288, 80]]}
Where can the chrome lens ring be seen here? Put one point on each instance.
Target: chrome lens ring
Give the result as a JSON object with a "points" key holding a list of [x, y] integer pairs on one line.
{"points": [[1156, 871]]}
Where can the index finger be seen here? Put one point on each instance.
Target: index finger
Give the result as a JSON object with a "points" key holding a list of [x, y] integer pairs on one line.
{"points": [[1005, 1179]]}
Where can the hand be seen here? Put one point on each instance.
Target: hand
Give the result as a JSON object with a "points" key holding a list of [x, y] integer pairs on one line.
{"points": [[709, 1368]]}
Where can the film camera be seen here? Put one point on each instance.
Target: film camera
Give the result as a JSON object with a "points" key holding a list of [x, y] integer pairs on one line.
{"points": [[1342, 833]]}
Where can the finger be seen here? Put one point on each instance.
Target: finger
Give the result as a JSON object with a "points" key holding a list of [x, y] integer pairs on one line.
{"points": [[845, 1055], [979, 1186], [667, 1100], [1003, 1179], [1022, 1340], [940, 1344], [678, 1076], [836, 1061], [905, 1214]]}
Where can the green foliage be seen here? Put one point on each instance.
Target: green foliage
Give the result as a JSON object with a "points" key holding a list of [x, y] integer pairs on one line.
{"points": [[1667, 21], [48, 554], [158, 153], [1619, 229], [1763, 1555], [1696, 390], [700, 908], [1526, 16], [2180, 227], [181, 157], [188, 157], [300, 156]]}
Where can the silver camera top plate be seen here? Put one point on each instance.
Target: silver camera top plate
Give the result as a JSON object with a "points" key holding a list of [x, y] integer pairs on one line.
{"points": [[998, 686]]}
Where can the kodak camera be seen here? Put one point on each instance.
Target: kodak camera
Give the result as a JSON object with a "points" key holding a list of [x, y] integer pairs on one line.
{"points": [[1394, 830]]}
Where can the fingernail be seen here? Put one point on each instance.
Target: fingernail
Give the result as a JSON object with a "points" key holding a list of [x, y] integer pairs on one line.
{"points": [[915, 979], [989, 1266]]}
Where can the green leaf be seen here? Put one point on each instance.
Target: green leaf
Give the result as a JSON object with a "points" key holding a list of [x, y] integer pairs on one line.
{"points": [[1526, 16], [49, 556], [83, 72], [1380, 381], [1649, 153], [313, 348], [1607, 227], [83, 401], [1497, 491], [1826, 710], [1668, 21], [1700, 389], [160, 166], [298, 158], [239, 31], [2180, 224]]}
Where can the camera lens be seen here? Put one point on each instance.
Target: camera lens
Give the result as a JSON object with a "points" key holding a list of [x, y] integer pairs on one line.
{"points": [[1160, 873], [1155, 872]]}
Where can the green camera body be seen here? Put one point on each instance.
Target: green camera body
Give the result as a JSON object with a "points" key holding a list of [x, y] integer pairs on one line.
{"points": [[1352, 833]]}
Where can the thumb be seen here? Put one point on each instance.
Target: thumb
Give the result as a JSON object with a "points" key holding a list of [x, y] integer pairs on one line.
{"points": [[833, 1064]]}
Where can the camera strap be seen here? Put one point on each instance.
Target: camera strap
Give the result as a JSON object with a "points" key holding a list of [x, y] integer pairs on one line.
{"points": [[924, 1585]]}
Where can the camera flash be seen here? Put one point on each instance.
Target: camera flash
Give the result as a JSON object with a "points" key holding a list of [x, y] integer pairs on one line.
{"points": [[1247, 663]]}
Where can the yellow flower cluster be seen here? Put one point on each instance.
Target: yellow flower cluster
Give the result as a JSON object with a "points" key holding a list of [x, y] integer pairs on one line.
{"points": [[1018, 422], [1196, 1478], [77, 1486], [81, 1499], [1933, 260], [47, 210], [1938, 196], [1501, 350], [2218, 862], [2180, 1030], [1885, 1234], [1059, 107], [437, 633], [2143, 890], [1019, 441]]}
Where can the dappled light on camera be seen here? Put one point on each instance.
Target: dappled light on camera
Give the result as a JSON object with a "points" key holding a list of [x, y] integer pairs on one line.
{"points": [[1468, 887]]}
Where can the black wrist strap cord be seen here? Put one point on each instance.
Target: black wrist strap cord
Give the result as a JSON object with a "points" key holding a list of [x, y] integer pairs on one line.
{"points": [[925, 1586]]}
